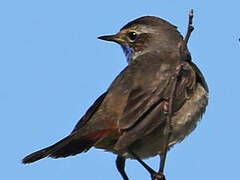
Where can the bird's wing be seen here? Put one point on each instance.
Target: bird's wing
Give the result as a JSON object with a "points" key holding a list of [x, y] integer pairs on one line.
{"points": [[140, 103], [146, 105], [90, 112], [200, 78]]}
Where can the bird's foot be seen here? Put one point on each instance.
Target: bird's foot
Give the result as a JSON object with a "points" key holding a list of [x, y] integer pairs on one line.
{"points": [[158, 176]]}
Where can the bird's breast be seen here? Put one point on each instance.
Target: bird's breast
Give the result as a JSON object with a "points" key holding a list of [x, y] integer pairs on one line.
{"points": [[185, 120]]}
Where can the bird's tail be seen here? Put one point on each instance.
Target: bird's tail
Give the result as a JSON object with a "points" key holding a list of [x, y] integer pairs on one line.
{"points": [[66, 147]]}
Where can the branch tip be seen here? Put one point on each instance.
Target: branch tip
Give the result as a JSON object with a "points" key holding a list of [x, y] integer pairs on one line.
{"points": [[190, 26]]}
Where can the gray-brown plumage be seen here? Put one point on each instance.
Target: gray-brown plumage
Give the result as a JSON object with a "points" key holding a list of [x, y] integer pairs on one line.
{"points": [[132, 113]]}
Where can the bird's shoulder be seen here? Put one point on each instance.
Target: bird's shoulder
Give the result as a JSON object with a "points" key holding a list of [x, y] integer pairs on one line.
{"points": [[145, 71]]}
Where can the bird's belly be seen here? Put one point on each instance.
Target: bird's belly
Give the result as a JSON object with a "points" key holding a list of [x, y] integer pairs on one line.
{"points": [[183, 123]]}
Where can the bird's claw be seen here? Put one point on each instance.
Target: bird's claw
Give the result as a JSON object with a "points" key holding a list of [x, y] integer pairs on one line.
{"points": [[158, 176]]}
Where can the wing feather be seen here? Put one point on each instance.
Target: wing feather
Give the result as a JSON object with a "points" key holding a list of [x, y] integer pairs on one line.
{"points": [[147, 113]]}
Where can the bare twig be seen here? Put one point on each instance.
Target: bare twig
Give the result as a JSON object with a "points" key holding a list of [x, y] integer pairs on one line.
{"points": [[169, 118], [190, 26]]}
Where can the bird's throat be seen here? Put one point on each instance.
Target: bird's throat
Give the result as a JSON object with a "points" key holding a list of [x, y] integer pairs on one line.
{"points": [[128, 51]]}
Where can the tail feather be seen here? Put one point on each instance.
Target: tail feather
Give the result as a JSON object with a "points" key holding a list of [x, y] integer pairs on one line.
{"points": [[36, 156], [73, 147], [65, 147]]}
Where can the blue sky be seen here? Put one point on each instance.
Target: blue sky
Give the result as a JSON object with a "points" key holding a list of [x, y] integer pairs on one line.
{"points": [[53, 67]]}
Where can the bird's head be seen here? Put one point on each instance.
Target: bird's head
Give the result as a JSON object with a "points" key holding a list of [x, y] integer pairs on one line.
{"points": [[146, 34]]}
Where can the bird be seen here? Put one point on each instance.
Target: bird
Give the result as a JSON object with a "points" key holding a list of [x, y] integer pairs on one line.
{"points": [[155, 102]]}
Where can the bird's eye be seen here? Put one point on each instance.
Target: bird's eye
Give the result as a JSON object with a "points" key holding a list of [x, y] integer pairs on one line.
{"points": [[132, 35]]}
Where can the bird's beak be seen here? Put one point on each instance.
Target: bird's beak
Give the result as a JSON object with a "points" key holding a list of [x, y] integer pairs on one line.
{"points": [[115, 38]]}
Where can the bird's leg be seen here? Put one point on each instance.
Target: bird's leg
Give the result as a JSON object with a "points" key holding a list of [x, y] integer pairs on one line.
{"points": [[154, 175], [120, 163], [190, 26]]}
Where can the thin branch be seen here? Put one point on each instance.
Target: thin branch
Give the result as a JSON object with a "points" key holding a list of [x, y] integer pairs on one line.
{"points": [[169, 117], [190, 26]]}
